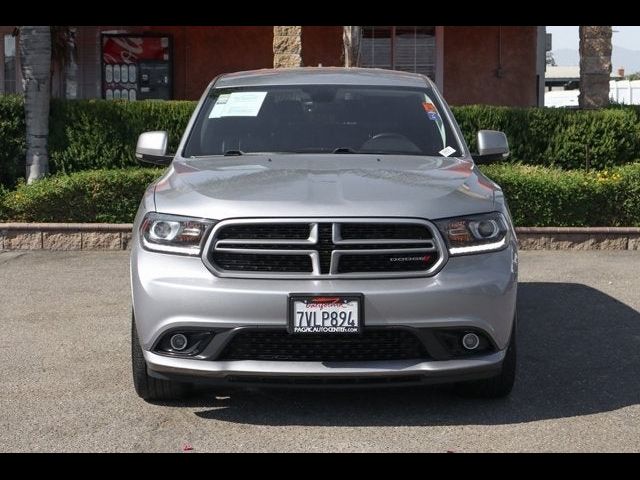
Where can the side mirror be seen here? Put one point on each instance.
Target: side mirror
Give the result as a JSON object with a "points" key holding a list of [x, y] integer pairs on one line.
{"points": [[152, 148], [492, 147]]}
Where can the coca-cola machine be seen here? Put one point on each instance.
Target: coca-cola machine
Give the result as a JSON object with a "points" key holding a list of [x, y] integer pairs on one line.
{"points": [[136, 66]]}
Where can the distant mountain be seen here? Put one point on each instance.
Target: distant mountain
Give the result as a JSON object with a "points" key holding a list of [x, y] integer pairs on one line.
{"points": [[622, 57], [566, 57]]}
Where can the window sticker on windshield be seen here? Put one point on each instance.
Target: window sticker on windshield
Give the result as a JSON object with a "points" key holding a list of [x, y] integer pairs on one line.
{"points": [[219, 106], [433, 115], [238, 104], [447, 151], [429, 107]]}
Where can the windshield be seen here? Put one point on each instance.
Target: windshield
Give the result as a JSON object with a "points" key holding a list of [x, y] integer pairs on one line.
{"points": [[322, 119]]}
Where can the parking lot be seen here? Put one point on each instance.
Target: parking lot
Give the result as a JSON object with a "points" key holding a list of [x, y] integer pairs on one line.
{"points": [[66, 382]]}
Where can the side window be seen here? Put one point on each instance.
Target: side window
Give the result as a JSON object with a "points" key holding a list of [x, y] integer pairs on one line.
{"points": [[410, 49]]}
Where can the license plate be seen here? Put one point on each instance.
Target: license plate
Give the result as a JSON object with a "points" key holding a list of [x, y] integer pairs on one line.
{"points": [[339, 314]]}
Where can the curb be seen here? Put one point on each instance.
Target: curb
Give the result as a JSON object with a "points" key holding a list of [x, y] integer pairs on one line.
{"points": [[578, 238], [117, 236], [65, 236]]}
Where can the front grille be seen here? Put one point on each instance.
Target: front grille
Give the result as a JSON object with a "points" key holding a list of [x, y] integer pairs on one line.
{"points": [[264, 263], [385, 262], [298, 231], [369, 231], [279, 345], [319, 247], [325, 246]]}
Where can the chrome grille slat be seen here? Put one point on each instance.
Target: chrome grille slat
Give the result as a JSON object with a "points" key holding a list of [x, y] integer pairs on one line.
{"points": [[338, 240], [382, 240], [311, 240], [385, 250], [226, 256], [265, 251]]}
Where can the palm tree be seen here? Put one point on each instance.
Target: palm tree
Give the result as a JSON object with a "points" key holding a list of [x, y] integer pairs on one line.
{"points": [[63, 55], [351, 41], [595, 66], [35, 58]]}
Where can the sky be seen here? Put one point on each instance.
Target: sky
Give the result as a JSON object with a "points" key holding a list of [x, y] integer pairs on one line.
{"points": [[567, 37]]}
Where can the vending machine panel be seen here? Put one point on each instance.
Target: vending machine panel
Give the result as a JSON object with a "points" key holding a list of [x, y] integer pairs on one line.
{"points": [[136, 66]]}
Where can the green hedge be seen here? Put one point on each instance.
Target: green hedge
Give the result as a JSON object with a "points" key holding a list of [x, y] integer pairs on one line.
{"points": [[92, 134], [540, 196], [537, 196], [12, 139], [569, 139], [109, 196]]}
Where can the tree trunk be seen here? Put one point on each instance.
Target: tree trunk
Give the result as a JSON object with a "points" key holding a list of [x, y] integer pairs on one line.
{"points": [[595, 66], [351, 42], [287, 47], [71, 66], [35, 57]]}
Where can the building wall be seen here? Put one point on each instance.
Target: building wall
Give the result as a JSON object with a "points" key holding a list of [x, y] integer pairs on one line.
{"points": [[541, 63], [199, 54], [322, 45], [471, 61], [202, 53], [88, 58], [471, 58]]}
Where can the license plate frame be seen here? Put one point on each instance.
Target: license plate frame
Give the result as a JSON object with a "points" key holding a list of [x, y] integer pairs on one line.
{"points": [[343, 297]]}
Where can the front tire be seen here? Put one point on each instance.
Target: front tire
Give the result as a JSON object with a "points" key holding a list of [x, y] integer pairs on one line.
{"points": [[146, 386], [498, 386]]}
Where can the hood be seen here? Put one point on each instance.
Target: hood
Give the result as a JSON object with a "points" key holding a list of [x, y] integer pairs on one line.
{"points": [[293, 185]]}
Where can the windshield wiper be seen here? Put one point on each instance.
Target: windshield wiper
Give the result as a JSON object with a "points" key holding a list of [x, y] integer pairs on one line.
{"points": [[230, 153], [344, 150]]}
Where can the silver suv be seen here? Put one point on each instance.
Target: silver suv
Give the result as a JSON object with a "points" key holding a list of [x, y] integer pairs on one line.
{"points": [[323, 227]]}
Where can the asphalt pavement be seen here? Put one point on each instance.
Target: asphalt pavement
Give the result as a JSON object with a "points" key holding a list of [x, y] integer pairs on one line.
{"points": [[65, 381]]}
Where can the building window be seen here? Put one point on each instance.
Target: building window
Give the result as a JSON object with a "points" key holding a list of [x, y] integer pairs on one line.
{"points": [[10, 65], [410, 49]]}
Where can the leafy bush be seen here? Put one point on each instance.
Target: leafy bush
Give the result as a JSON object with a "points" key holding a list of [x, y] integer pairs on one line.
{"points": [[3, 193], [540, 196], [570, 139], [537, 196], [12, 139], [109, 196], [88, 134], [93, 134]]}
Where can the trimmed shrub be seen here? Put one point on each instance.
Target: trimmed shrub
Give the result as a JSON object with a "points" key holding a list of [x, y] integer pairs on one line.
{"points": [[94, 134], [539, 196], [88, 134], [627, 194], [109, 196], [3, 193], [12, 139], [570, 139]]}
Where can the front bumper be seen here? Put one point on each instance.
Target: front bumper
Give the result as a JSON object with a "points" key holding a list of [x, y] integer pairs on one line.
{"points": [[475, 291], [274, 373]]}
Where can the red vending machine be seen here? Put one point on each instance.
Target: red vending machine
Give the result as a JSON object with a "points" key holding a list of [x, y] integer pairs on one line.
{"points": [[136, 66]]}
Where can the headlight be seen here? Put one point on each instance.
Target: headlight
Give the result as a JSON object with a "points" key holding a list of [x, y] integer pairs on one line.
{"points": [[474, 233], [172, 234]]}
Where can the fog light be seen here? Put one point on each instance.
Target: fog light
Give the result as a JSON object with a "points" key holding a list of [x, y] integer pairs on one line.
{"points": [[470, 341], [178, 342]]}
